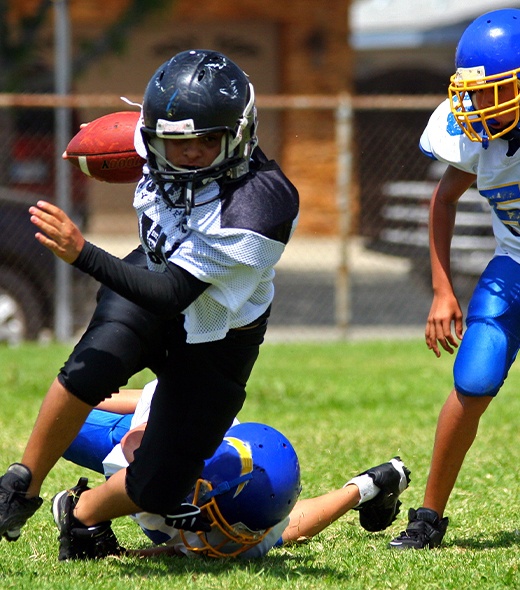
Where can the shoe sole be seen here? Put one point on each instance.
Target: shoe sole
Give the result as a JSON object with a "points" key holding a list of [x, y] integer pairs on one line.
{"points": [[54, 509], [12, 535], [13, 532], [405, 547]]}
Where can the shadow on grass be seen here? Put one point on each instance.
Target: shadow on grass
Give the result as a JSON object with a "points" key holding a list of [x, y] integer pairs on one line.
{"points": [[278, 566], [500, 540]]}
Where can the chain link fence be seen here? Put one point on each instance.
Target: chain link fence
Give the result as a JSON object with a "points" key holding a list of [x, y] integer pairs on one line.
{"points": [[369, 278]]}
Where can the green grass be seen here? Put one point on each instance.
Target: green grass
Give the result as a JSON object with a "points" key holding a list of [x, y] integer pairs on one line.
{"points": [[345, 407]]}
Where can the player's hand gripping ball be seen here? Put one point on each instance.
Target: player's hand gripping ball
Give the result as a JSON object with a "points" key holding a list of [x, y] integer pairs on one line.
{"points": [[104, 149]]}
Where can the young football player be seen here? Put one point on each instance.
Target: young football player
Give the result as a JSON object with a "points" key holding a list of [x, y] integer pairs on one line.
{"points": [[246, 522], [214, 217], [476, 133]]}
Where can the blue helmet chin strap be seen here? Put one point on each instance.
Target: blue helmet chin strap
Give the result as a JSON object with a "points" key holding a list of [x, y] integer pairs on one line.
{"points": [[224, 487], [485, 140]]}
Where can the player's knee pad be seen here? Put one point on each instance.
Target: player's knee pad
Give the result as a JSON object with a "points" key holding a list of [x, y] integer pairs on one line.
{"points": [[497, 295], [483, 359], [102, 361]]}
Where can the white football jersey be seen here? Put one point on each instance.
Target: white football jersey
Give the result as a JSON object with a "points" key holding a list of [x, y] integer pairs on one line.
{"points": [[115, 460], [224, 242], [233, 247], [155, 527], [497, 168], [237, 263]]}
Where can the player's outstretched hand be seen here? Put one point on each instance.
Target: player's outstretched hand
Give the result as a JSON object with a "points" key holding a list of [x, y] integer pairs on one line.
{"points": [[57, 231], [445, 312]]}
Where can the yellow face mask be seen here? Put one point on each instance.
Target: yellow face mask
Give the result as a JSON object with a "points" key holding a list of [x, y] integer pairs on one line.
{"points": [[485, 107], [224, 539]]}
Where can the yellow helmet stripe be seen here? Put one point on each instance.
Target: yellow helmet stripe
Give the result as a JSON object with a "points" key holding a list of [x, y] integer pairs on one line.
{"points": [[246, 458]]}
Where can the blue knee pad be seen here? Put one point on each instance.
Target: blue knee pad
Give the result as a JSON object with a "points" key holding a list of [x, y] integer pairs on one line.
{"points": [[101, 432], [491, 341], [483, 361]]}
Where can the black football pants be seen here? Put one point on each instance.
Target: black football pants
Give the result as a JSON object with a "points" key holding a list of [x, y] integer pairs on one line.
{"points": [[201, 389]]}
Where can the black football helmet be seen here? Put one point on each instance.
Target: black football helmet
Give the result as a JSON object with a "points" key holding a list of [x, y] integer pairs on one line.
{"points": [[194, 93]]}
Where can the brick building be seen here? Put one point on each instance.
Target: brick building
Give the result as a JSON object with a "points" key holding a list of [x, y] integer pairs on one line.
{"points": [[294, 47]]}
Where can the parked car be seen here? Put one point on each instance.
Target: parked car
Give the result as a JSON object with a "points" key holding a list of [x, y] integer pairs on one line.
{"points": [[27, 274]]}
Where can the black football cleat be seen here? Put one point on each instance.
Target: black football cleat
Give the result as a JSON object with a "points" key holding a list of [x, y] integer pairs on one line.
{"points": [[78, 541], [425, 530], [15, 507]]}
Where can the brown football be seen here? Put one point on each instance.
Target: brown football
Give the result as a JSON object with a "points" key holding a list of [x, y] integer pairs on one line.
{"points": [[104, 149]]}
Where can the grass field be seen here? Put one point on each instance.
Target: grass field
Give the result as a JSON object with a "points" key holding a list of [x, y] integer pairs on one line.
{"points": [[345, 407]]}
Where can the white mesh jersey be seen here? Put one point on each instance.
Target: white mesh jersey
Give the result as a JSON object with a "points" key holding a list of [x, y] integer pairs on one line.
{"points": [[231, 243], [497, 169]]}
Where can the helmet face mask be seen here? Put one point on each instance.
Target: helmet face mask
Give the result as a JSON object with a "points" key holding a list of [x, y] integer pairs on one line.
{"points": [[168, 171], [487, 60], [474, 120], [224, 540], [196, 93], [249, 485]]}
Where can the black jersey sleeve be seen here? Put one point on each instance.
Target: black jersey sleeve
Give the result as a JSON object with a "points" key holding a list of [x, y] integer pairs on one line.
{"points": [[164, 293]]}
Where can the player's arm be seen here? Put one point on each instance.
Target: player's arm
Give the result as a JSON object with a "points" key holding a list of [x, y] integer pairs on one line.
{"points": [[165, 294], [310, 516], [445, 310], [124, 402]]}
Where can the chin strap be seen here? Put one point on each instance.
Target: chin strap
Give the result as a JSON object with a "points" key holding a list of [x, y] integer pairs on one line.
{"points": [[239, 170], [188, 186], [223, 487], [189, 198]]}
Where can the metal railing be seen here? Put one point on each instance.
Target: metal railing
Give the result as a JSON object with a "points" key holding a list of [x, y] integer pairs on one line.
{"points": [[327, 276]]}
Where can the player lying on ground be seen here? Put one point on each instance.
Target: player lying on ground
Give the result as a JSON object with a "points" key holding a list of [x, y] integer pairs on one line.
{"points": [[249, 516]]}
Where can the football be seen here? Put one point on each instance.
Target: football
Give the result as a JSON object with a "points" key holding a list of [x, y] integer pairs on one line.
{"points": [[104, 148]]}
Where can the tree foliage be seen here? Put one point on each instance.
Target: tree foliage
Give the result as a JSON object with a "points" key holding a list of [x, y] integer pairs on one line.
{"points": [[21, 67]]}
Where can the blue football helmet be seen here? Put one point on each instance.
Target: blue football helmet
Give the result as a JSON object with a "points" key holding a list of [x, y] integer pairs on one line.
{"points": [[195, 93], [487, 57], [251, 483]]}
